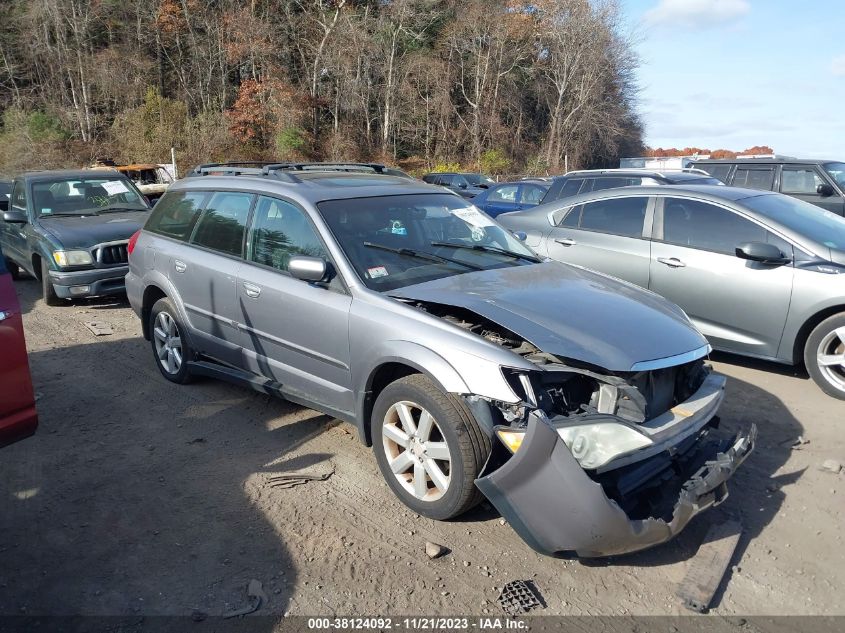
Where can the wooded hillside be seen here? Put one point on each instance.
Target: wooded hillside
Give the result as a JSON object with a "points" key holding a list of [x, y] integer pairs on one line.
{"points": [[498, 85]]}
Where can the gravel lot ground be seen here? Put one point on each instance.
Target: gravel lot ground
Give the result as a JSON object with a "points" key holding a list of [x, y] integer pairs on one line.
{"points": [[137, 496]]}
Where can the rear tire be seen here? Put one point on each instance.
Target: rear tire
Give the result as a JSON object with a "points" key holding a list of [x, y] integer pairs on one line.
{"points": [[171, 348], [14, 269], [428, 447], [47, 289], [824, 355]]}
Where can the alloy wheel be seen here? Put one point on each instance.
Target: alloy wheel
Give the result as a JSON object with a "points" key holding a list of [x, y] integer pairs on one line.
{"points": [[417, 452], [831, 357], [168, 343]]}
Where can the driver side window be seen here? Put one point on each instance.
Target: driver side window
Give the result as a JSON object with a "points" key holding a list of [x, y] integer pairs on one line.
{"points": [[281, 231], [707, 227], [18, 198]]}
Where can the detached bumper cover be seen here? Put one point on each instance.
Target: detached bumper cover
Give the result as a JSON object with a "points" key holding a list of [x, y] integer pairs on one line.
{"points": [[554, 505], [102, 281]]}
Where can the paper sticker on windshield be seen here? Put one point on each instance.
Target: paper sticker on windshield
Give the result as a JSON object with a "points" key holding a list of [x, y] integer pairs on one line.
{"points": [[471, 215], [114, 187], [377, 271]]}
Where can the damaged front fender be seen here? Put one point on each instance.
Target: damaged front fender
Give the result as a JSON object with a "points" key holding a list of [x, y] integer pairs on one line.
{"points": [[558, 509]]}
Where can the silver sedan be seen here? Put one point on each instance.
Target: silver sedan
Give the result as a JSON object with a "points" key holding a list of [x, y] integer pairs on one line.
{"points": [[759, 274]]}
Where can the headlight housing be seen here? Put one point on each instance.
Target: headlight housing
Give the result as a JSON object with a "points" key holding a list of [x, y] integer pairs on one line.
{"points": [[72, 258], [596, 444]]}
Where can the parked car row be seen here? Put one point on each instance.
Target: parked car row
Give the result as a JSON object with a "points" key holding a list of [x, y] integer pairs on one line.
{"points": [[819, 182], [473, 363], [759, 274]]}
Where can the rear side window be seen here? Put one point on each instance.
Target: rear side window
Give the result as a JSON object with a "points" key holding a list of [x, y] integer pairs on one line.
{"points": [[570, 188], [221, 227], [613, 183], [506, 193], [717, 171], [620, 216], [532, 194], [708, 227], [754, 178], [176, 213], [572, 217]]}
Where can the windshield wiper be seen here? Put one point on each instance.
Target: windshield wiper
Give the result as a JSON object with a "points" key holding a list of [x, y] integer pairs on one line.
{"points": [[489, 249], [112, 208], [78, 212], [431, 257]]}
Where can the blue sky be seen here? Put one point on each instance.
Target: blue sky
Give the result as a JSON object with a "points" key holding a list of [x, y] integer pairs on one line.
{"points": [[736, 73]]}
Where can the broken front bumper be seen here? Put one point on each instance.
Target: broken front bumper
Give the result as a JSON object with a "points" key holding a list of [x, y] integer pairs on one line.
{"points": [[557, 508]]}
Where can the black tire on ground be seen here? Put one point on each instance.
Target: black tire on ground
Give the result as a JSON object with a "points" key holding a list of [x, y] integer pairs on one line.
{"points": [[469, 446], [163, 336], [47, 289], [14, 269], [827, 338]]}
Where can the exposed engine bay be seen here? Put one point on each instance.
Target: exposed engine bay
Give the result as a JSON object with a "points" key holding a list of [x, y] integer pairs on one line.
{"points": [[567, 388]]}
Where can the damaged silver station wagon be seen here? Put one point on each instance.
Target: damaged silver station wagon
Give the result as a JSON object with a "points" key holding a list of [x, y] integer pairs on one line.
{"points": [[579, 405]]}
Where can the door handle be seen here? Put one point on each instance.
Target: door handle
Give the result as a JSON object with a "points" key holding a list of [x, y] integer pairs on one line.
{"points": [[566, 241], [672, 262], [179, 266], [251, 290]]}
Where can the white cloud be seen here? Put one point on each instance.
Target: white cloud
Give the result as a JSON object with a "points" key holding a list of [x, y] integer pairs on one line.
{"points": [[837, 66], [696, 14]]}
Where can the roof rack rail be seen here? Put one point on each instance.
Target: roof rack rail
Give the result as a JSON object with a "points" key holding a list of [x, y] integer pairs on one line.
{"points": [[245, 168], [327, 166], [279, 170], [639, 170]]}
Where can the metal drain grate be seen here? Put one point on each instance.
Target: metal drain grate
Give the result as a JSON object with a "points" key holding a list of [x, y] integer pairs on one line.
{"points": [[519, 596]]}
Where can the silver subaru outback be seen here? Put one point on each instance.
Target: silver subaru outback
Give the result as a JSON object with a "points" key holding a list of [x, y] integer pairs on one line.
{"points": [[579, 405]]}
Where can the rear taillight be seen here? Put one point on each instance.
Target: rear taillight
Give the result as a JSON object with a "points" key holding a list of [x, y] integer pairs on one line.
{"points": [[131, 245]]}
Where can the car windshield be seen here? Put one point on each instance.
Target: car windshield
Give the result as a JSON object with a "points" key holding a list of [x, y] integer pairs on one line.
{"points": [[478, 179], [86, 196], [397, 241], [837, 172], [802, 217]]}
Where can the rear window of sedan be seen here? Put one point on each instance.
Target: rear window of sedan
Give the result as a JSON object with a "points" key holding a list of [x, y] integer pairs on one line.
{"points": [[802, 217]]}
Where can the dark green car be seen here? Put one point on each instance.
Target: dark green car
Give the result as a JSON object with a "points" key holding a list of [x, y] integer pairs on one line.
{"points": [[69, 229]]}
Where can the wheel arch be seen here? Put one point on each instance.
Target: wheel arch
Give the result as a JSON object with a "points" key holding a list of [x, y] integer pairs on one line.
{"points": [[392, 368], [152, 293], [35, 259], [808, 326]]}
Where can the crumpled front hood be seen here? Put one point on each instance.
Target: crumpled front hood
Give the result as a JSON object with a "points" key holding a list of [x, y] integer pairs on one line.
{"points": [[86, 231], [569, 312]]}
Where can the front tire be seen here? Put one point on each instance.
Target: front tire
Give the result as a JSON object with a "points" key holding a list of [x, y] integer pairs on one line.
{"points": [[824, 355], [14, 269], [47, 289], [171, 348], [428, 447]]}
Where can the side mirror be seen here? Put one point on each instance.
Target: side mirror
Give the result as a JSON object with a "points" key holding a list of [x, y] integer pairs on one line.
{"points": [[14, 217], [761, 252], [311, 269], [520, 235], [824, 190], [483, 186]]}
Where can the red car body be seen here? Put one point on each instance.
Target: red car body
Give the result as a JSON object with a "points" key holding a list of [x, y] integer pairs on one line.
{"points": [[18, 418]]}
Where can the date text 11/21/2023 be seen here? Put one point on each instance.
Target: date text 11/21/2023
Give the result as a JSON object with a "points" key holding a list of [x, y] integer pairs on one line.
{"points": [[416, 624]]}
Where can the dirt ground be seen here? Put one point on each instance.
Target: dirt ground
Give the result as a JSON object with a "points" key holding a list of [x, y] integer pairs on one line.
{"points": [[137, 496]]}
